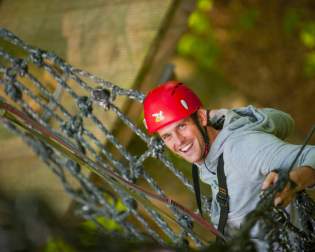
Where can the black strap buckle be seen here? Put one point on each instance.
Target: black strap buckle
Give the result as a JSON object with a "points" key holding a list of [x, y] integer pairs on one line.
{"points": [[223, 198]]}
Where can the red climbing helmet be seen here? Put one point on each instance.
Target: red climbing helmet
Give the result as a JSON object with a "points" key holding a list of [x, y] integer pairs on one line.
{"points": [[168, 103]]}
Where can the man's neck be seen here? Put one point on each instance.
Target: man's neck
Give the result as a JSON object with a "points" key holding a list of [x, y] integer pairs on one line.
{"points": [[212, 134]]}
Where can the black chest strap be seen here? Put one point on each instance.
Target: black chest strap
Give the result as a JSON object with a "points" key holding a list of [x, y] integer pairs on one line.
{"points": [[222, 196]]}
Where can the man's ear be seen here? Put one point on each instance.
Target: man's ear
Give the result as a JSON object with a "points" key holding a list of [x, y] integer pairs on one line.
{"points": [[202, 116]]}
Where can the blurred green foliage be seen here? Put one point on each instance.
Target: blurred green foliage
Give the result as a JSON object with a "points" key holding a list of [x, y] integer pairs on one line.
{"points": [[307, 37], [307, 34], [55, 244], [203, 50], [108, 224], [295, 21], [291, 20], [199, 43], [88, 229], [199, 23], [248, 19], [205, 5], [309, 67]]}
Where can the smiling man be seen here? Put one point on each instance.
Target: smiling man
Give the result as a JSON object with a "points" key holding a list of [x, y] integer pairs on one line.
{"points": [[184, 139], [235, 151]]}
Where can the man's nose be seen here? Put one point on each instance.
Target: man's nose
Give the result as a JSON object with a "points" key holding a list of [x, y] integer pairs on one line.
{"points": [[178, 139]]}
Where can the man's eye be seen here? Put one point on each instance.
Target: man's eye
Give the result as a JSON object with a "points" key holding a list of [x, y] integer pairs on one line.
{"points": [[165, 137], [181, 126]]}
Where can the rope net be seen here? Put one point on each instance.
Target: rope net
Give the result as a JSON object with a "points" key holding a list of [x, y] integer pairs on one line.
{"points": [[66, 115]]}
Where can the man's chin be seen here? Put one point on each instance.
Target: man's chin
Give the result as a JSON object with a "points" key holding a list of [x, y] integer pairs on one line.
{"points": [[190, 159]]}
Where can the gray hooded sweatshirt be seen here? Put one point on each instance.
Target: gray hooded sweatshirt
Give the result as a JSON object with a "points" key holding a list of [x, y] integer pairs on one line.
{"points": [[252, 142]]}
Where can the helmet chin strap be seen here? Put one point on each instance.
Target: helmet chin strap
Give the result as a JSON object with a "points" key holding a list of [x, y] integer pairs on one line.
{"points": [[195, 173], [203, 131], [206, 137]]}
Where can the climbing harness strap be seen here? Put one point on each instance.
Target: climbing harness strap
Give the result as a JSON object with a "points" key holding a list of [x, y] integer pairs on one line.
{"points": [[222, 196]]}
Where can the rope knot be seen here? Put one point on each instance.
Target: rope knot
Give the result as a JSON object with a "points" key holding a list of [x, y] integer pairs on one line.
{"points": [[73, 126], [131, 203], [12, 90], [19, 67], [85, 105], [136, 172], [156, 147], [36, 57], [102, 97], [73, 166], [114, 92], [10, 75], [186, 222], [56, 60]]}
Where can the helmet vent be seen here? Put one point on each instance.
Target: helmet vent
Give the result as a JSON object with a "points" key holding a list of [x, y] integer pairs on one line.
{"points": [[175, 88]]}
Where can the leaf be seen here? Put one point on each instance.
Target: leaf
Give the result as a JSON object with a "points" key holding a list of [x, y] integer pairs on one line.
{"points": [[186, 44], [309, 67], [56, 244], [106, 223], [204, 5], [198, 22], [308, 35]]}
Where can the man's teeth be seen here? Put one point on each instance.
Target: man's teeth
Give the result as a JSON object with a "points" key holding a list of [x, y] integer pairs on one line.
{"points": [[185, 148]]}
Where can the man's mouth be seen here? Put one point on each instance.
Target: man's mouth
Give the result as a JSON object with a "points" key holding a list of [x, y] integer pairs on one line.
{"points": [[186, 148]]}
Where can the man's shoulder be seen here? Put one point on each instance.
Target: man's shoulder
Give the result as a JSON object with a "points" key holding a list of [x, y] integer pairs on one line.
{"points": [[266, 120], [247, 144]]}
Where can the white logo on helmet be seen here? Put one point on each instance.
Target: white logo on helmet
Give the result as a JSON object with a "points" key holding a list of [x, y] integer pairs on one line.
{"points": [[184, 104], [158, 116]]}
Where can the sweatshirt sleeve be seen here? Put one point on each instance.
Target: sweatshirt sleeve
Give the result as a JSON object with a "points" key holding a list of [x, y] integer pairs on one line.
{"points": [[280, 123], [262, 153]]}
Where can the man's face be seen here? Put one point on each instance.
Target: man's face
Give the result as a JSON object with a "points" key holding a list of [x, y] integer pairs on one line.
{"points": [[184, 139]]}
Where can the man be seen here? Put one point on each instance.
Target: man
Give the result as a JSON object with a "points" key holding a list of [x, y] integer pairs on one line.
{"points": [[249, 143]]}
